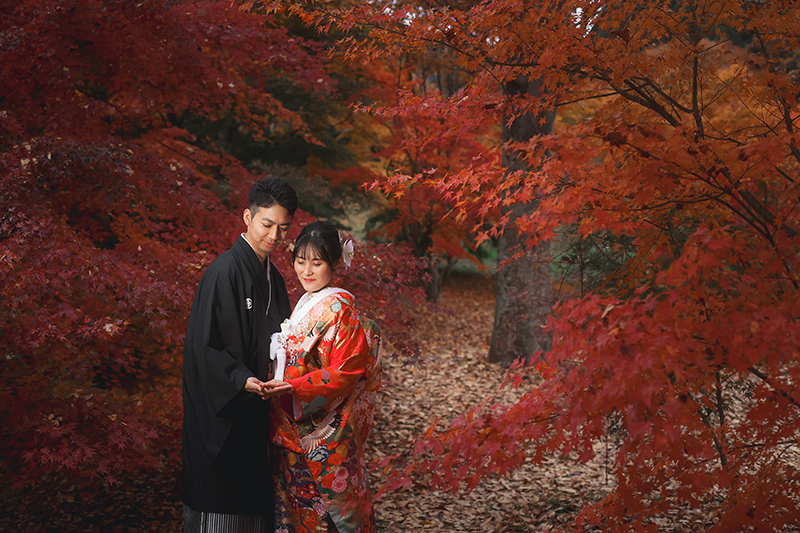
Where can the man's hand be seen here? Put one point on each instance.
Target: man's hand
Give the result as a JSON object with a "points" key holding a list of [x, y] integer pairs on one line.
{"points": [[267, 389], [275, 387]]}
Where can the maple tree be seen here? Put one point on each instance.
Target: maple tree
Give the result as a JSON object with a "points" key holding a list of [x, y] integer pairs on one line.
{"points": [[111, 211], [395, 136], [679, 161], [420, 213]]}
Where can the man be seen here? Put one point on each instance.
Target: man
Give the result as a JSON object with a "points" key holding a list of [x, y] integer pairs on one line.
{"points": [[240, 301]]}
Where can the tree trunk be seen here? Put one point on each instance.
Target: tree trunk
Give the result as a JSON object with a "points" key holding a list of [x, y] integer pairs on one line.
{"points": [[433, 288], [524, 294]]}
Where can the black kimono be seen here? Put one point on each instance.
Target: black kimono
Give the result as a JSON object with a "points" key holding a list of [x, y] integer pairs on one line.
{"points": [[225, 429]]}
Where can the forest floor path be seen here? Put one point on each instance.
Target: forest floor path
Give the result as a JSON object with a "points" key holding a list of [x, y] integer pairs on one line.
{"points": [[453, 376]]}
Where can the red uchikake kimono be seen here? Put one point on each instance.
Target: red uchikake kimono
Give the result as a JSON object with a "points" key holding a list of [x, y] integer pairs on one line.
{"points": [[333, 362]]}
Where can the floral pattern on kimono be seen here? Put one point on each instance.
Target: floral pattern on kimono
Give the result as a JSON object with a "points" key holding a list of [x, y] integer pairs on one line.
{"points": [[333, 362]]}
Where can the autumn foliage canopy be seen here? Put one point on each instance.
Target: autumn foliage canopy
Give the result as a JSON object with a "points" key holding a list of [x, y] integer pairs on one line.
{"points": [[675, 159], [111, 209]]}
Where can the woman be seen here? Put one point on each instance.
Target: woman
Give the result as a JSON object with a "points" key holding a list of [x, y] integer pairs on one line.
{"points": [[332, 360]]}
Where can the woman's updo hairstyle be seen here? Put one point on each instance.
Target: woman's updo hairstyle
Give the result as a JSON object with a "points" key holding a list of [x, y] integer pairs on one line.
{"points": [[318, 239]]}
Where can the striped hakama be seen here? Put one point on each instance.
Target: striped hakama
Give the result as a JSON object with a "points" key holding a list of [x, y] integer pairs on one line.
{"points": [[200, 522]]}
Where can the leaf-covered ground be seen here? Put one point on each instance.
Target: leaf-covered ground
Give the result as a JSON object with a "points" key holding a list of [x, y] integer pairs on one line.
{"points": [[454, 376]]}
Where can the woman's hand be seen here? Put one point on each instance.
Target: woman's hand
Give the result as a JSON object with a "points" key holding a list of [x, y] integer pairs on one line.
{"points": [[267, 389]]}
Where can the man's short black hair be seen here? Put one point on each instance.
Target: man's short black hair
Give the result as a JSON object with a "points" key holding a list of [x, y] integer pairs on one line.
{"points": [[267, 192]]}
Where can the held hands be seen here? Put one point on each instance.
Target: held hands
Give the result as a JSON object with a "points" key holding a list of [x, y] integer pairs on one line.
{"points": [[267, 389]]}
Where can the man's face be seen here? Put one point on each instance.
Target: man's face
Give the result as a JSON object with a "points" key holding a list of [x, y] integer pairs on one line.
{"points": [[267, 228]]}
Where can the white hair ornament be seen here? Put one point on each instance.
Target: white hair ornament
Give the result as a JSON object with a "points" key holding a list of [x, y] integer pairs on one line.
{"points": [[348, 251]]}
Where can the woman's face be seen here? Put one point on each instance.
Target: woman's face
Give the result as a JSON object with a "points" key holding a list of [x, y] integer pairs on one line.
{"points": [[314, 273]]}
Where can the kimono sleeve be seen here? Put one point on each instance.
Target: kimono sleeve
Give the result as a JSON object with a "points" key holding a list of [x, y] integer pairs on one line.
{"points": [[216, 344], [344, 352]]}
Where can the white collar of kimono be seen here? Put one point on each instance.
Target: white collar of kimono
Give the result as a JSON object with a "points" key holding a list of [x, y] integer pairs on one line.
{"points": [[309, 300], [277, 351]]}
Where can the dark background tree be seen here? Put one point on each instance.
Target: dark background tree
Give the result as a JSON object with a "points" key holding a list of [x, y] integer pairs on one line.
{"points": [[525, 293]]}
